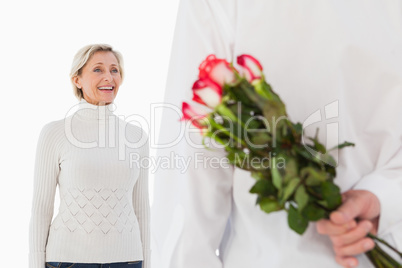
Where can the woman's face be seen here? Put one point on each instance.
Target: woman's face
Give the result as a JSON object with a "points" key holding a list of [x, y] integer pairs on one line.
{"points": [[100, 78]]}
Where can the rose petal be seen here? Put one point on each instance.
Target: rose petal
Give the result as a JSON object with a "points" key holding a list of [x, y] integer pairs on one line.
{"points": [[196, 117], [218, 70], [207, 92], [251, 67]]}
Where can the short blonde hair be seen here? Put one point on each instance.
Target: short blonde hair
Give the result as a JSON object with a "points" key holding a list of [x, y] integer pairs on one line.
{"points": [[82, 57]]}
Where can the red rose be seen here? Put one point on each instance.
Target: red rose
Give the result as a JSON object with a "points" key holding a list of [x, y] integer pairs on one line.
{"points": [[207, 92], [218, 70], [251, 67], [197, 118]]}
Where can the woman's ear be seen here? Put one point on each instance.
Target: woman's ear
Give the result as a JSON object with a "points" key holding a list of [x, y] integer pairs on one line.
{"points": [[76, 81]]}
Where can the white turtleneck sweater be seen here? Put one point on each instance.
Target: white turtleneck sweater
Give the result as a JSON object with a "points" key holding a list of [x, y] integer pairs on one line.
{"points": [[95, 158]]}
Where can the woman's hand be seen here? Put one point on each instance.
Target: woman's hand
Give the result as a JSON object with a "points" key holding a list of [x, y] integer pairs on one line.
{"points": [[348, 226]]}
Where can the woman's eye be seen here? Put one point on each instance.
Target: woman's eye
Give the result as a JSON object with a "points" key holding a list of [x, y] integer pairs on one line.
{"points": [[115, 71], [97, 70]]}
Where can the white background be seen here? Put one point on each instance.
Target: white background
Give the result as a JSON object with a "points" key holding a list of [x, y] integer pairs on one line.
{"points": [[38, 42]]}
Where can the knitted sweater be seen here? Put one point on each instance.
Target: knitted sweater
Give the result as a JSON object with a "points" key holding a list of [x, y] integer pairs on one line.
{"points": [[95, 158]]}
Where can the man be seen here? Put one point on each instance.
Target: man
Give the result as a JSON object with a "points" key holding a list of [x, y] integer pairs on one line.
{"points": [[338, 59]]}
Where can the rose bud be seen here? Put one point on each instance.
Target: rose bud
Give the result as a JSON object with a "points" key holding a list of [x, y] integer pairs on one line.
{"points": [[251, 67], [197, 118], [218, 70], [207, 92]]}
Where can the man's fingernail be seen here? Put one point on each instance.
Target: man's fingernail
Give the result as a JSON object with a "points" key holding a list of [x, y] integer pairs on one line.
{"points": [[367, 226], [367, 245], [351, 264], [345, 216]]}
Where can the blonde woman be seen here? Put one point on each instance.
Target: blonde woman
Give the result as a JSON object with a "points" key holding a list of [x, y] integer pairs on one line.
{"points": [[103, 218]]}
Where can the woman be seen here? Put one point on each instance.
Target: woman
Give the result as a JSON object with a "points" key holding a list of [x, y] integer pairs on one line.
{"points": [[103, 219]]}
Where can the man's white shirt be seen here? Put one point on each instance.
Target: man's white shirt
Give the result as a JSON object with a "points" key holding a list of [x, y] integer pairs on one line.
{"points": [[337, 65]]}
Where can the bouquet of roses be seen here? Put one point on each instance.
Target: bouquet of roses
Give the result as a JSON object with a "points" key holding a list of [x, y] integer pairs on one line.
{"points": [[240, 111]]}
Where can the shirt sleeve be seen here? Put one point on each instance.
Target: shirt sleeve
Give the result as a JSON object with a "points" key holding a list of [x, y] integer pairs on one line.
{"points": [[45, 181], [386, 183], [193, 192], [141, 205], [381, 135]]}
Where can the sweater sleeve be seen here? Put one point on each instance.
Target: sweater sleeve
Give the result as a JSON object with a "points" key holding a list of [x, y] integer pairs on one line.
{"points": [[141, 206], [46, 172]]}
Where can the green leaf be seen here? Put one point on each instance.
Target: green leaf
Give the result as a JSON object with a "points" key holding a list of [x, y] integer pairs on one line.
{"points": [[264, 90], [269, 205], [298, 128], [300, 150], [222, 130], [252, 123], [225, 111], [257, 175], [342, 145], [331, 194], [275, 114], [276, 176], [331, 171], [290, 189], [322, 203], [318, 146], [296, 221], [258, 187], [291, 170], [259, 138], [232, 157], [313, 176], [321, 148], [263, 188], [239, 158], [313, 212], [301, 197], [261, 89], [244, 92], [328, 159]]}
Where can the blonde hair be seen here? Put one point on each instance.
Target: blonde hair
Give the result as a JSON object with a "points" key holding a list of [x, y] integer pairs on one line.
{"points": [[82, 57]]}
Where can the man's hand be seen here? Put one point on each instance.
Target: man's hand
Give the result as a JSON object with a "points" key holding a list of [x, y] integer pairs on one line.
{"points": [[348, 226]]}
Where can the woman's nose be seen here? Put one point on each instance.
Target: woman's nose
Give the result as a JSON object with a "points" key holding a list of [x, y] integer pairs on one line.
{"points": [[108, 77]]}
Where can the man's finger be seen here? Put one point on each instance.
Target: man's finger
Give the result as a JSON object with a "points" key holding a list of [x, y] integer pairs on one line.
{"points": [[358, 233], [326, 227], [357, 248], [348, 262], [357, 204], [349, 210]]}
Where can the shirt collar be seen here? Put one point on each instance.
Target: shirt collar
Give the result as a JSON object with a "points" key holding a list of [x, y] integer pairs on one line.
{"points": [[95, 112]]}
